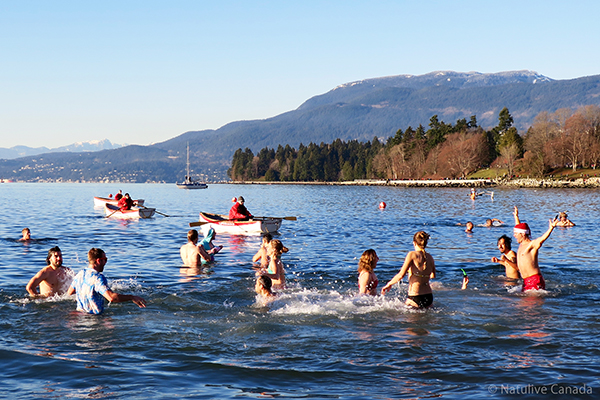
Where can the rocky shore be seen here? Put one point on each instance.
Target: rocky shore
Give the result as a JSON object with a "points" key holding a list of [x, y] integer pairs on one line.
{"points": [[592, 182]]}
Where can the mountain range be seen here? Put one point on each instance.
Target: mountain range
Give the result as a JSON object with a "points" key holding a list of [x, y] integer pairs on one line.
{"points": [[358, 110], [24, 151]]}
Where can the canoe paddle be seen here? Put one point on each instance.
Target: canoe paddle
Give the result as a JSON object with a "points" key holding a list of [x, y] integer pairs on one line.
{"points": [[286, 218], [112, 213], [200, 223]]}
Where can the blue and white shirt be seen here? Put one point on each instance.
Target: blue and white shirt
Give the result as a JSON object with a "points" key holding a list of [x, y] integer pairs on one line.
{"points": [[90, 286]]}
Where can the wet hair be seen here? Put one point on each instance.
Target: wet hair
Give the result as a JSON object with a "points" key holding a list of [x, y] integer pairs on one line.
{"points": [[25, 230], [421, 238], [367, 261], [562, 214], [192, 235], [278, 247], [266, 282], [95, 253], [53, 250], [267, 237], [507, 241]]}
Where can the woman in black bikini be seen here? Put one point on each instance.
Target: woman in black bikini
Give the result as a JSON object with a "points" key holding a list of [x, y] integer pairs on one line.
{"points": [[420, 268]]}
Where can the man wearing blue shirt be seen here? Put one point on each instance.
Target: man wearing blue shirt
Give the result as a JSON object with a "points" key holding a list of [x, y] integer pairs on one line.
{"points": [[91, 286]]}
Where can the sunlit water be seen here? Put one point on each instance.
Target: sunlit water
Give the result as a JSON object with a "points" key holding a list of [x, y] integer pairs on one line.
{"points": [[205, 335]]}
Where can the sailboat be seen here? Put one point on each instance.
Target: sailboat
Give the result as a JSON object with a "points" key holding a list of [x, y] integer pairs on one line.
{"points": [[188, 183]]}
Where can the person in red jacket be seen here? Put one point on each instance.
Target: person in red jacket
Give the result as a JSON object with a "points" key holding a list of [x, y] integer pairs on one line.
{"points": [[125, 203], [239, 210]]}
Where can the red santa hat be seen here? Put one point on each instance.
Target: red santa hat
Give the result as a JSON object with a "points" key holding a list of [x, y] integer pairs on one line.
{"points": [[522, 228]]}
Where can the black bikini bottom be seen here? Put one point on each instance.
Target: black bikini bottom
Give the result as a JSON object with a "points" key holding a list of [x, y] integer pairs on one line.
{"points": [[422, 300]]}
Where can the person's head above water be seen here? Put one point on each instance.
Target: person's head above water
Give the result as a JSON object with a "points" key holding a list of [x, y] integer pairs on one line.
{"points": [[421, 238], [368, 261], [26, 234]]}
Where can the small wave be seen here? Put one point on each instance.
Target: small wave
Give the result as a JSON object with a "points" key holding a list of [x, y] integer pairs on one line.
{"points": [[318, 302]]}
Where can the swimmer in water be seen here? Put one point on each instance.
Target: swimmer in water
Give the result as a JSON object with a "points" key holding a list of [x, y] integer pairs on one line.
{"points": [[53, 279], [261, 254], [563, 220], [491, 222], [26, 235], [469, 226], [527, 254], [263, 287], [508, 259], [420, 268], [275, 270], [367, 280]]}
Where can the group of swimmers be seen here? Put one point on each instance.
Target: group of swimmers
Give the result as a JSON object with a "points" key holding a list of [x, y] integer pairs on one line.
{"points": [[420, 265], [89, 285]]}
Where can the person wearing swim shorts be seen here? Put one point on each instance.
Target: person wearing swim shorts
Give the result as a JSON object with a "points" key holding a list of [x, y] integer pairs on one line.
{"points": [[527, 254], [420, 268]]}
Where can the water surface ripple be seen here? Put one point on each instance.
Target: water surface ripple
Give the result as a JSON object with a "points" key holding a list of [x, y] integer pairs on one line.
{"points": [[205, 336]]}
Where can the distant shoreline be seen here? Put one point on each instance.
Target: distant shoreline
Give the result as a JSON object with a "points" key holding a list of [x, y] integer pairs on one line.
{"points": [[579, 183]]}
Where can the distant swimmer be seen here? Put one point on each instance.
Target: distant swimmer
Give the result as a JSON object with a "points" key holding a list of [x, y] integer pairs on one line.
{"points": [[489, 223], [563, 220], [26, 233], [420, 268], [469, 226], [367, 280], [53, 279], [473, 194], [91, 287], [508, 258], [527, 254]]}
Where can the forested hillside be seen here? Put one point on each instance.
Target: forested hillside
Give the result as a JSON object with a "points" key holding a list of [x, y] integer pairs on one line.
{"points": [[555, 140]]}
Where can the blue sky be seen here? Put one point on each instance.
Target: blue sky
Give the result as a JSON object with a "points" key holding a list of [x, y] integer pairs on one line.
{"points": [[141, 72]]}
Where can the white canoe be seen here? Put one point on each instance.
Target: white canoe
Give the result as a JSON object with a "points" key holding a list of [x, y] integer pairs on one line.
{"points": [[221, 224], [113, 211], [101, 201]]}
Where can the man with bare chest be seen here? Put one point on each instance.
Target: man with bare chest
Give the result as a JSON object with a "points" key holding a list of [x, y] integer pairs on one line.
{"points": [[527, 254], [53, 279], [192, 254]]}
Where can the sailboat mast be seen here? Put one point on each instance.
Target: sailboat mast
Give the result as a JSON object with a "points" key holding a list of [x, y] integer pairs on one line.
{"points": [[188, 161]]}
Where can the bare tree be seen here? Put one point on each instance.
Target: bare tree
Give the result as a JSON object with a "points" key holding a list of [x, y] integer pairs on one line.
{"points": [[576, 139], [510, 153], [462, 153]]}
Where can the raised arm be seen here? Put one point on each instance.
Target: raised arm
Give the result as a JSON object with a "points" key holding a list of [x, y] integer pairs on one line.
{"points": [[537, 243], [516, 214]]}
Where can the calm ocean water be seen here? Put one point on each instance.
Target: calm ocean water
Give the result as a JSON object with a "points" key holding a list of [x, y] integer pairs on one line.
{"points": [[205, 336]]}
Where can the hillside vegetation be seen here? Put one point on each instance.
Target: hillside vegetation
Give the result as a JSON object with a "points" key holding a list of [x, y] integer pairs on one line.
{"points": [[562, 139]]}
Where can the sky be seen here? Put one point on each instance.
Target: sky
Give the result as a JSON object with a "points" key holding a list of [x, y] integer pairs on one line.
{"points": [[142, 72]]}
